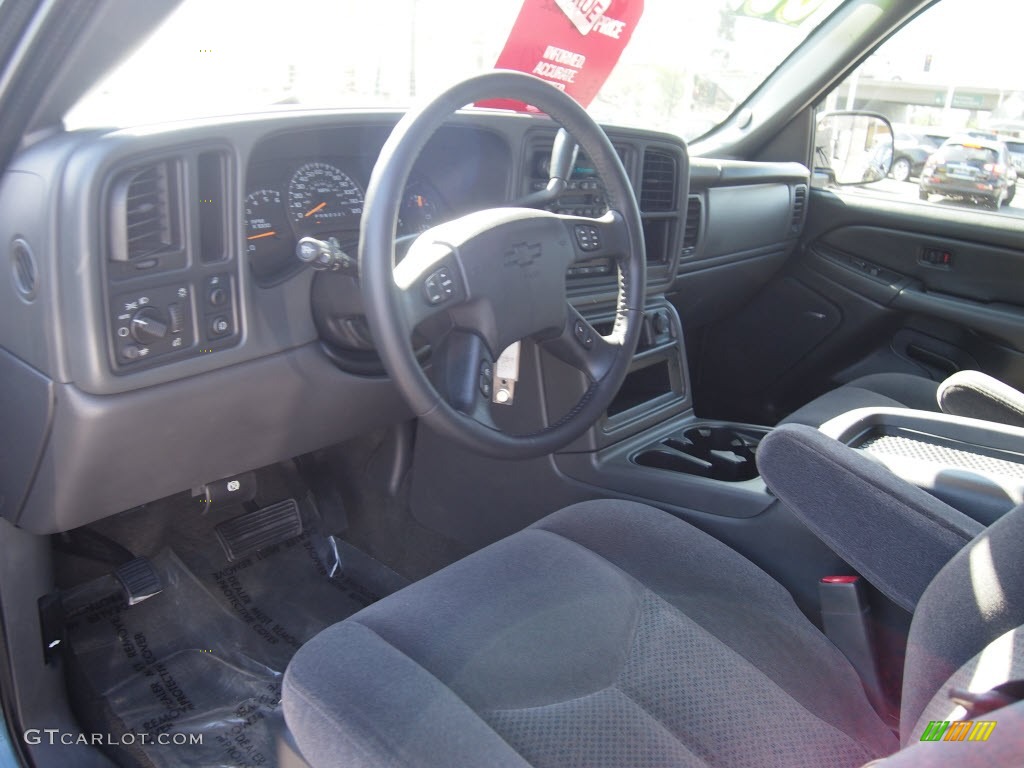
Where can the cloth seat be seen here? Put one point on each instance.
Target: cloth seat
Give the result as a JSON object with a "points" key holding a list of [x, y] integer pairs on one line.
{"points": [[607, 634], [878, 390], [613, 634]]}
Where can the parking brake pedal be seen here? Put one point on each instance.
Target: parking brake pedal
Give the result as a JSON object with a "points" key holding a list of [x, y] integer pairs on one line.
{"points": [[259, 529], [139, 580]]}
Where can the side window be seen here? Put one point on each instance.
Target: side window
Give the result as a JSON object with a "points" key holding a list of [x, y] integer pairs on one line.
{"points": [[951, 84]]}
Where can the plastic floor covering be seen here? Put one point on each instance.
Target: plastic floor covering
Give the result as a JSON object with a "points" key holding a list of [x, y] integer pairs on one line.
{"points": [[201, 663]]}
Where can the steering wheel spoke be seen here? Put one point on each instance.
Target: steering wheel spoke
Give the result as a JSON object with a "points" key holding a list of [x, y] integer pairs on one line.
{"points": [[606, 237], [582, 347]]}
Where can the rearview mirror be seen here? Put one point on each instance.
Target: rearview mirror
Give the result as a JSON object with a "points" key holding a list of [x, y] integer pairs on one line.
{"points": [[853, 147]]}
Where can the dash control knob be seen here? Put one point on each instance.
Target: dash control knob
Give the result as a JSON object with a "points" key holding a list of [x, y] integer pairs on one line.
{"points": [[148, 325]]}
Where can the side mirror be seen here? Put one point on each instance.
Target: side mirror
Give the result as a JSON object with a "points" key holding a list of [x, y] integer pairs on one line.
{"points": [[853, 147]]}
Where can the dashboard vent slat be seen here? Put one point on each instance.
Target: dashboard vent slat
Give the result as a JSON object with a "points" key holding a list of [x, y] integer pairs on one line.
{"points": [[658, 183], [143, 211], [799, 208], [691, 235]]}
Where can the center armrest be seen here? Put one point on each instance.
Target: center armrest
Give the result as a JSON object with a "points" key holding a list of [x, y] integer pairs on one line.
{"points": [[893, 533]]}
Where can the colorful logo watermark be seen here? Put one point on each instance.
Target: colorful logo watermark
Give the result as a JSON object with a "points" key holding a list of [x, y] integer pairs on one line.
{"points": [[958, 730]]}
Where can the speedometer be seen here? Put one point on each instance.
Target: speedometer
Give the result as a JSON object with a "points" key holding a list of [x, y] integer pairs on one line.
{"points": [[319, 193]]}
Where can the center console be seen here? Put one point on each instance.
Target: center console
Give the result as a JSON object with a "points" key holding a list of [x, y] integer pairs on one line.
{"points": [[652, 446]]}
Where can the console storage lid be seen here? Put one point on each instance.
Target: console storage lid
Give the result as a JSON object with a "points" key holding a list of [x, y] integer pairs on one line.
{"points": [[974, 466]]}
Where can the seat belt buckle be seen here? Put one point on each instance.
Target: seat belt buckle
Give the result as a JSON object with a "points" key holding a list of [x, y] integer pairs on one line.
{"points": [[844, 617]]}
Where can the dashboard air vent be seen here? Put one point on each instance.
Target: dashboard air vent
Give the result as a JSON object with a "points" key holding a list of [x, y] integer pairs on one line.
{"points": [[658, 186], [25, 272], [799, 208], [143, 209], [691, 235]]}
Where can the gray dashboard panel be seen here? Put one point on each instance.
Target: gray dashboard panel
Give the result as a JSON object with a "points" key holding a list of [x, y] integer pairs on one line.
{"points": [[109, 453], [26, 414]]}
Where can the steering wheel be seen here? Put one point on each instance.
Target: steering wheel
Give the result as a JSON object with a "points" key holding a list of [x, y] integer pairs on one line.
{"points": [[475, 285]]}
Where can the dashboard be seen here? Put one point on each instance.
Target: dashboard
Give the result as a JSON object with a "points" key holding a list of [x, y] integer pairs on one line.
{"points": [[156, 308]]}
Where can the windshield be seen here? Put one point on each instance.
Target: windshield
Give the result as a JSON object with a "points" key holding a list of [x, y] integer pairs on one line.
{"points": [[959, 153], [686, 68]]}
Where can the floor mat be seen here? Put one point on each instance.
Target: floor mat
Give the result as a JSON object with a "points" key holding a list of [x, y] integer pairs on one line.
{"points": [[199, 666]]}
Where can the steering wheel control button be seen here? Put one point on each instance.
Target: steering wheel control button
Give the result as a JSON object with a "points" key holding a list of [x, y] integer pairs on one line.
{"points": [[587, 237], [583, 333], [486, 378], [439, 286]]}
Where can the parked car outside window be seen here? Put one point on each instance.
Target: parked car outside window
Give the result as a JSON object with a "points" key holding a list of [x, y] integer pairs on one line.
{"points": [[967, 168]]}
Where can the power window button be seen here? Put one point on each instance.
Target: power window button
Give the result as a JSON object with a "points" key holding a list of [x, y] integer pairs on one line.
{"points": [[937, 257]]}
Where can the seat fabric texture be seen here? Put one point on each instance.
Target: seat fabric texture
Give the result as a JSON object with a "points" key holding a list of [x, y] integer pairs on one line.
{"points": [[879, 390], [607, 634]]}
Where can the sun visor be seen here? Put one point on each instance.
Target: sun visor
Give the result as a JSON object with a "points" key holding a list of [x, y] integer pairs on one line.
{"points": [[573, 44]]}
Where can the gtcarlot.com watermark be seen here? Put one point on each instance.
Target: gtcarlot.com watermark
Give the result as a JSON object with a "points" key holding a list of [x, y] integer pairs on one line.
{"points": [[34, 736]]}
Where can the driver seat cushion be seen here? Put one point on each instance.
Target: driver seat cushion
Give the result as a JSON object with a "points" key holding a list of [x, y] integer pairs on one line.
{"points": [[609, 633], [878, 390]]}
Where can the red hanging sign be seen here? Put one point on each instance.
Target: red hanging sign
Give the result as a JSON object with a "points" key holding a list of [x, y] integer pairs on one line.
{"points": [[573, 44]]}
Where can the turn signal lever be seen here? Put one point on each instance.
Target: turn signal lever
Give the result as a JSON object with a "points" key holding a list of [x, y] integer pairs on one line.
{"points": [[325, 255]]}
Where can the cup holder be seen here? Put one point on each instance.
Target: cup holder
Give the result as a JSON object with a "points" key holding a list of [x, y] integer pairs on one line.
{"points": [[716, 451]]}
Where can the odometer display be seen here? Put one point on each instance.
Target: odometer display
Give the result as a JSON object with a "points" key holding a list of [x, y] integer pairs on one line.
{"points": [[319, 193]]}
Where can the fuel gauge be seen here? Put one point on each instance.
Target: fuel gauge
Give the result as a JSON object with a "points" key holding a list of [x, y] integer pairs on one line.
{"points": [[420, 209]]}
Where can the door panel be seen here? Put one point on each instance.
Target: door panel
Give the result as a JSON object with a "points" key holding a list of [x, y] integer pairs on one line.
{"points": [[907, 291]]}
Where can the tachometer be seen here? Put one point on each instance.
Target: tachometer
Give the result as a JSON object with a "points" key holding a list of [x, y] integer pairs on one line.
{"points": [[319, 193], [269, 242]]}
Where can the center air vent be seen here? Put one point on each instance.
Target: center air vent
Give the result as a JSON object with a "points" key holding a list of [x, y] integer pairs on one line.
{"points": [[691, 235], [658, 185], [143, 210], [799, 208]]}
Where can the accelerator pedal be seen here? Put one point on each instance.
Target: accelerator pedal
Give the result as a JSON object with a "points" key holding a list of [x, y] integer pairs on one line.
{"points": [[260, 529]]}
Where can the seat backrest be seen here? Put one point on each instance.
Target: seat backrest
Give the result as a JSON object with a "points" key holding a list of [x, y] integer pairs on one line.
{"points": [[968, 627]]}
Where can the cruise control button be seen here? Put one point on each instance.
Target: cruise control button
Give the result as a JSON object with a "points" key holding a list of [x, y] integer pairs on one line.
{"points": [[584, 335]]}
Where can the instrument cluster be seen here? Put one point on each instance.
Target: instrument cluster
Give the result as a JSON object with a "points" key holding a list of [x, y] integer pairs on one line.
{"points": [[321, 198]]}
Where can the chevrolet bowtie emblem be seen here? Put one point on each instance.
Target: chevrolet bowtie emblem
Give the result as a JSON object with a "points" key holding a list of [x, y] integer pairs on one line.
{"points": [[522, 254]]}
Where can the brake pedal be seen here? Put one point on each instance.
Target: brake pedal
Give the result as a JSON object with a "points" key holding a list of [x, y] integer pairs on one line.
{"points": [[260, 529], [139, 580]]}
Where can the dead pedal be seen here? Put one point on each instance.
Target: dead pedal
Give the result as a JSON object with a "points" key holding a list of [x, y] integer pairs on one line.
{"points": [[139, 580], [258, 530]]}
